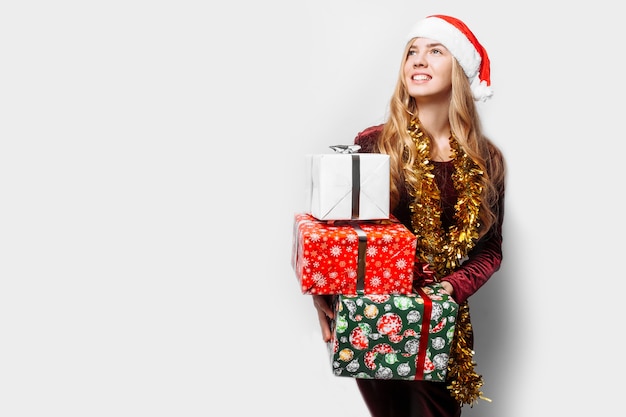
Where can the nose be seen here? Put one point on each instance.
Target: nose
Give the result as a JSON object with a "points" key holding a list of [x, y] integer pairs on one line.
{"points": [[418, 60]]}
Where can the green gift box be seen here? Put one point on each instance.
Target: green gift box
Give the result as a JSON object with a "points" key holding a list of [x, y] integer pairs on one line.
{"points": [[393, 336]]}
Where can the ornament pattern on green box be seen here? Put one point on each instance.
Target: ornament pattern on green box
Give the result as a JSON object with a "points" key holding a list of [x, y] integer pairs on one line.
{"points": [[380, 336]]}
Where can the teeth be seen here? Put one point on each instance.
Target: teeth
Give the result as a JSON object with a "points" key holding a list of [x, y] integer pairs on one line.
{"points": [[420, 77]]}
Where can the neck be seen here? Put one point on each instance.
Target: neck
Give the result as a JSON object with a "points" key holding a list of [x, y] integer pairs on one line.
{"points": [[434, 119]]}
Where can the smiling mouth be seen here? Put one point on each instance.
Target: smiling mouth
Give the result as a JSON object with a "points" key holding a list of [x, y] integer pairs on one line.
{"points": [[421, 77]]}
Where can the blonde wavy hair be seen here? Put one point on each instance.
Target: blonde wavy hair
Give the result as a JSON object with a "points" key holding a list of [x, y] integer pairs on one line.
{"points": [[466, 127]]}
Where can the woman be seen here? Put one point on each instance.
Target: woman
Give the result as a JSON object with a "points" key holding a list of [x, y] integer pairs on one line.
{"points": [[447, 186]]}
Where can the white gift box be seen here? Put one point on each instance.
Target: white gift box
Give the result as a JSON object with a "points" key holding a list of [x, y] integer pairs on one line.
{"points": [[347, 186]]}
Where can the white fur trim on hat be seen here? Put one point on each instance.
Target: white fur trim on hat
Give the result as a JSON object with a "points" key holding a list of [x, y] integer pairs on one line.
{"points": [[463, 45]]}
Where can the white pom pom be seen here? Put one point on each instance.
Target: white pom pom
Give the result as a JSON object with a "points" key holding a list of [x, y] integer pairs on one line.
{"points": [[481, 90]]}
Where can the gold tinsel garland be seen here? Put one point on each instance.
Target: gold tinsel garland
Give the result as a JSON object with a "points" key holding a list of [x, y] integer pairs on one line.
{"points": [[444, 250]]}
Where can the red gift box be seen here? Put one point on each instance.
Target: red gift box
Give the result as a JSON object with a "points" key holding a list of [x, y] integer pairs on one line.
{"points": [[329, 257]]}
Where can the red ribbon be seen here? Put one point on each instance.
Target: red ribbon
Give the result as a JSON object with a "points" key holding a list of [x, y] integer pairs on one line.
{"points": [[424, 332]]}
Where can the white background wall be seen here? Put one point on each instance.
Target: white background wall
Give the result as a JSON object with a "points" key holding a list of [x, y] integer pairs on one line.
{"points": [[150, 167]]}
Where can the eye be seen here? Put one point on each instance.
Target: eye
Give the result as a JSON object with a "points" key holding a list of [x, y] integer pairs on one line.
{"points": [[436, 51]]}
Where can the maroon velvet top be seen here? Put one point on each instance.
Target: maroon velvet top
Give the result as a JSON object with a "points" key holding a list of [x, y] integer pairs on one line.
{"points": [[484, 259]]}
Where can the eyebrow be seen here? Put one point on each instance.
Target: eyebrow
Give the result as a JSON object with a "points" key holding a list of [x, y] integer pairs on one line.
{"points": [[430, 45]]}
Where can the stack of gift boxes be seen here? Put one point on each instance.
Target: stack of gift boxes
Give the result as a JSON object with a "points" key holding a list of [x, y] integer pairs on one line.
{"points": [[348, 247]]}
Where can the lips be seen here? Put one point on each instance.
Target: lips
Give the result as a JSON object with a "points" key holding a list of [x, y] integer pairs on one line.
{"points": [[421, 77]]}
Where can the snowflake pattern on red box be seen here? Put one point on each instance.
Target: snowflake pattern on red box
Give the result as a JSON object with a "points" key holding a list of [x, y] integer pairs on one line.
{"points": [[326, 256]]}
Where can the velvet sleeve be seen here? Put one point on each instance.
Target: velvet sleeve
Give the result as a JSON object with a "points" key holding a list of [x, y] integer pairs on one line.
{"points": [[483, 261], [367, 138]]}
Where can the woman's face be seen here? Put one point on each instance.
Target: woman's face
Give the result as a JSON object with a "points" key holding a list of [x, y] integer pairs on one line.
{"points": [[428, 69]]}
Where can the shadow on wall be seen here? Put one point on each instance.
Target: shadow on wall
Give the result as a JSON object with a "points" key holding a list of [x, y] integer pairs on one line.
{"points": [[496, 319]]}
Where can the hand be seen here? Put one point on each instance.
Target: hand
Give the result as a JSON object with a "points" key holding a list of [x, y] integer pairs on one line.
{"points": [[324, 315], [447, 287]]}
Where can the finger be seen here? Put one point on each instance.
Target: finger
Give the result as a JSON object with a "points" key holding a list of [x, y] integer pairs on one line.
{"points": [[324, 326], [322, 304]]}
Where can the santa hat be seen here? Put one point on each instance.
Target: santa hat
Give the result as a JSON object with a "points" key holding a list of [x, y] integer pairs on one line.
{"points": [[463, 45]]}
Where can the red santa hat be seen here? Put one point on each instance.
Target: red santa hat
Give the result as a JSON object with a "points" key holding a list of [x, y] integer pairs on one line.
{"points": [[463, 45]]}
